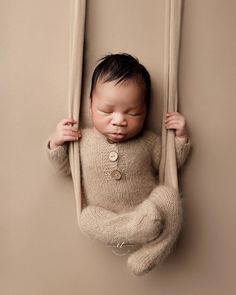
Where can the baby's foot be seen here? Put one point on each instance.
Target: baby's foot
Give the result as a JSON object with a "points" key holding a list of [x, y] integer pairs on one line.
{"points": [[146, 224], [138, 226]]}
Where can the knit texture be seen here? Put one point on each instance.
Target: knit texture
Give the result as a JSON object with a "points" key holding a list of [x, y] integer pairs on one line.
{"points": [[123, 201], [135, 227], [138, 162], [168, 201]]}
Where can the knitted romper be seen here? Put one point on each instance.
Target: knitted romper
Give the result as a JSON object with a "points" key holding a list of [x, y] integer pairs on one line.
{"points": [[122, 201], [117, 176]]}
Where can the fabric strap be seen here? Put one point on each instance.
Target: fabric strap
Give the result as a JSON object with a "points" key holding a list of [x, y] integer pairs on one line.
{"points": [[77, 29], [173, 14], [168, 167]]}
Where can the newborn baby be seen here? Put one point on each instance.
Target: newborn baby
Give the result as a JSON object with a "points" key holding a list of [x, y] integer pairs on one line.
{"points": [[122, 201]]}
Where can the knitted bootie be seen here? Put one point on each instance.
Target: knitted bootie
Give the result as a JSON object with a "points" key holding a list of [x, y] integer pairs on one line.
{"points": [[148, 256], [138, 226]]}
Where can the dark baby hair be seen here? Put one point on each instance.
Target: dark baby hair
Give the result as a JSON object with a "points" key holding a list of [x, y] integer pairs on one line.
{"points": [[121, 67]]}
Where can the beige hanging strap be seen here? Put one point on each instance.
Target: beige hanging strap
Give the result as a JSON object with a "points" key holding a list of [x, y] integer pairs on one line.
{"points": [[173, 13], [78, 12]]}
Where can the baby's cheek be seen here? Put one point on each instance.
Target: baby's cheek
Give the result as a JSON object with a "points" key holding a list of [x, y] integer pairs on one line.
{"points": [[100, 119], [135, 123], [106, 120]]}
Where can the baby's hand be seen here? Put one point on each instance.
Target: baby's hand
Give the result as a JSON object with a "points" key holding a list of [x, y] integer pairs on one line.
{"points": [[64, 132], [178, 122]]}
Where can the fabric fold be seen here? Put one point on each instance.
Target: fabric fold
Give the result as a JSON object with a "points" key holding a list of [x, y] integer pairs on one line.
{"points": [[77, 31]]}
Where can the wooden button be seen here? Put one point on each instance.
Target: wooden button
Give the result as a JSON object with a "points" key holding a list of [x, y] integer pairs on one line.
{"points": [[115, 174], [113, 156]]}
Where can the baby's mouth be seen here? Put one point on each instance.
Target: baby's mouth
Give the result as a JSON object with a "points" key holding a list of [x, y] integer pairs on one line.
{"points": [[117, 136], [118, 133]]}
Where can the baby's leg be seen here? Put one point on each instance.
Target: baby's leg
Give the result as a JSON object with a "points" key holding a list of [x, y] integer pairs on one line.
{"points": [[140, 225], [169, 203]]}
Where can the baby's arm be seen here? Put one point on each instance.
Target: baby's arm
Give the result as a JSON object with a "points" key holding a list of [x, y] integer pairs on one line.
{"points": [[59, 157], [176, 121], [56, 145], [182, 151]]}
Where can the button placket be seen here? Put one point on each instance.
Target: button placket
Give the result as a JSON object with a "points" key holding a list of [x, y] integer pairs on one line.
{"points": [[113, 157]]}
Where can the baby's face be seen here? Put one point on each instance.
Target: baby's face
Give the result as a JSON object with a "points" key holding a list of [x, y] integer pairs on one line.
{"points": [[118, 109]]}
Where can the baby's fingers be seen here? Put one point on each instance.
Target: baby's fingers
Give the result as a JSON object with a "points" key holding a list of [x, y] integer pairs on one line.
{"points": [[70, 128], [71, 136], [68, 121], [74, 133]]}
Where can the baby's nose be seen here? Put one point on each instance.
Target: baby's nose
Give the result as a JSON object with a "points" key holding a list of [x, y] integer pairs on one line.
{"points": [[119, 119]]}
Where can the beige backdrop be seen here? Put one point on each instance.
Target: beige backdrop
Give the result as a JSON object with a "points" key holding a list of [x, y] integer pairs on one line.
{"points": [[42, 251]]}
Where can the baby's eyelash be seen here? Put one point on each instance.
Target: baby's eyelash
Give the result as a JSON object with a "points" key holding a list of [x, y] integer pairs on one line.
{"points": [[135, 114], [106, 112], [127, 114]]}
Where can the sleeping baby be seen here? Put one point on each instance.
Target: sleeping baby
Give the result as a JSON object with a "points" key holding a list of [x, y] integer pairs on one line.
{"points": [[119, 157]]}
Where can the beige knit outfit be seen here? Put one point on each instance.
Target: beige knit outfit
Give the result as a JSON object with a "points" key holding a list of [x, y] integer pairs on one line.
{"points": [[122, 201]]}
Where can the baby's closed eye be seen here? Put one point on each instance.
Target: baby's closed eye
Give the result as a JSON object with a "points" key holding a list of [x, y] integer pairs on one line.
{"points": [[135, 114], [130, 113]]}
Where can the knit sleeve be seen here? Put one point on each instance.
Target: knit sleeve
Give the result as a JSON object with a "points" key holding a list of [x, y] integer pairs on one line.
{"points": [[59, 157], [182, 151]]}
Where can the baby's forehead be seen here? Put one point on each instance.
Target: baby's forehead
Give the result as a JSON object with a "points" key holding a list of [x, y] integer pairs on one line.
{"points": [[126, 93]]}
